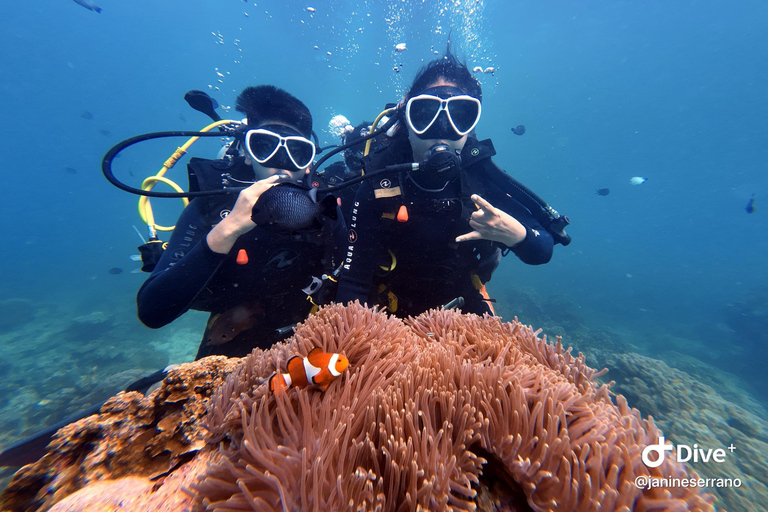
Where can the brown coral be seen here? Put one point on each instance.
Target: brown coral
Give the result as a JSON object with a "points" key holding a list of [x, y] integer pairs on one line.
{"points": [[431, 412], [133, 438]]}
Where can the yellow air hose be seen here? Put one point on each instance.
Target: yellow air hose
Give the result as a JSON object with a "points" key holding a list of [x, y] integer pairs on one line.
{"points": [[145, 208], [374, 125]]}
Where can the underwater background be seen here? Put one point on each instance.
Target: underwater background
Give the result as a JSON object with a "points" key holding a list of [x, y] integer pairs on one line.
{"points": [[673, 269]]}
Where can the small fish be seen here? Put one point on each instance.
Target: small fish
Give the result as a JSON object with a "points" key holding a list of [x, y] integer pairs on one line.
{"points": [[287, 208], [456, 303], [115, 270], [518, 130], [318, 369], [603, 191], [86, 115], [311, 9], [477, 69], [400, 47], [489, 71], [282, 331], [751, 205], [105, 133], [637, 180], [225, 326], [88, 5], [70, 170], [183, 119]]}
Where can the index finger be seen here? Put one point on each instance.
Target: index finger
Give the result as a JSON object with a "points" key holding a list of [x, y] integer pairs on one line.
{"points": [[481, 202], [269, 182]]}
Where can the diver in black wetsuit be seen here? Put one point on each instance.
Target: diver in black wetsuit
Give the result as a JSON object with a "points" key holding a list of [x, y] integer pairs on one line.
{"points": [[418, 238], [255, 282]]}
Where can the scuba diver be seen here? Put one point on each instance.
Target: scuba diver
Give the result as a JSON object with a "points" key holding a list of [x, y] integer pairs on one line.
{"points": [[226, 256], [433, 224], [251, 259]]}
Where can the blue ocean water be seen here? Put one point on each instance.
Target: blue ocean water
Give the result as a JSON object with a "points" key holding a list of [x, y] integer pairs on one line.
{"points": [[673, 92]]}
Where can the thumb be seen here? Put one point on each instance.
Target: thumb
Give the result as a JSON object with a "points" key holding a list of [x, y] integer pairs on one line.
{"points": [[473, 235]]}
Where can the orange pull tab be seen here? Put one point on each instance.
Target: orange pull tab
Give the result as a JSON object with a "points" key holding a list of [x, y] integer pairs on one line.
{"points": [[242, 257], [402, 214]]}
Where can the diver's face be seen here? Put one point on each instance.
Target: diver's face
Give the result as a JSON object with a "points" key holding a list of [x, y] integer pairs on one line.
{"points": [[421, 146], [281, 162]]}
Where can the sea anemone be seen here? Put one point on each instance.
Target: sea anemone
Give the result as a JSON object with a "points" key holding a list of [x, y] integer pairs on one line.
{"points": [[442, 412]]}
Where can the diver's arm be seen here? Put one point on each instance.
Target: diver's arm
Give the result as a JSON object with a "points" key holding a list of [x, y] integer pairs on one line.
{"points": [[185, 267], [364, 242], [537, 246], [513, 227]]}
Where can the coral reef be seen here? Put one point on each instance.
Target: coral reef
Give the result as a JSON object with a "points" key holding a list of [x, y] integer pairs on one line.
{"points": [[143, 438], [443, 411], [690, 412]]}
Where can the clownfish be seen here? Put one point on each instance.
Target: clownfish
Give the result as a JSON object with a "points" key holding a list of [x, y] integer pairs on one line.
{"points": [[318, 369]]}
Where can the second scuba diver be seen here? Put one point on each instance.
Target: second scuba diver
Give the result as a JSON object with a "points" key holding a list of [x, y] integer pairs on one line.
{"points": [[429, 232], [254, 280]]}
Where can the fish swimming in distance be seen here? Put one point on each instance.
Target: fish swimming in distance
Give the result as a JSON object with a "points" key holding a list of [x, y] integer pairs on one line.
{"points": [[318, 369], [88, 5], [518, 130], [603, 191], [637, 180], [751, 205]]}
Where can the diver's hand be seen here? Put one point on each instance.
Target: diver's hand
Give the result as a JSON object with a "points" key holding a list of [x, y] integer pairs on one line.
{"points": [[490, 223], [223, 236]]}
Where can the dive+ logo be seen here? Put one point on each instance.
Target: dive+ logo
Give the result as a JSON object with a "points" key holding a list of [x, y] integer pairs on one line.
{"points": [[683, 453]]}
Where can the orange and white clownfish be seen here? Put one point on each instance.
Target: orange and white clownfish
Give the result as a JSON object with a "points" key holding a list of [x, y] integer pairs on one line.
{"points": [[318, 369]]}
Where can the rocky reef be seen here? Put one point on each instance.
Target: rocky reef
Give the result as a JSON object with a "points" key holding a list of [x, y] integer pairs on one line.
{"points": [[693, 413]]}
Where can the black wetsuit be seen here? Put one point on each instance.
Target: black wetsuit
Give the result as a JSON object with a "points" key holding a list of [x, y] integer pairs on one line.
{"points": [[335, 174], [430, 268], [266, 291]]}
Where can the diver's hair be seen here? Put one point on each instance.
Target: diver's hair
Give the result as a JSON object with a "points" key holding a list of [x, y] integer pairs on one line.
{"points": [[452, 70], [269, 103]]}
